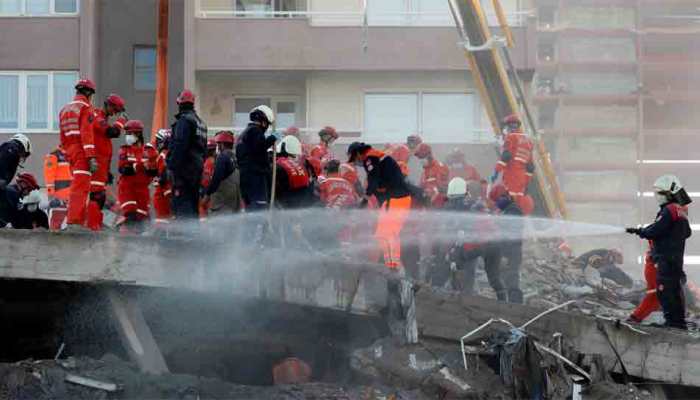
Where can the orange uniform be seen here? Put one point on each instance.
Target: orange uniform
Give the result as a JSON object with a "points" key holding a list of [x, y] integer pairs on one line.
{"points": [[163, 191], [434, 182], [516, 163], [57, 175], [338, 193], [650, 302], [138, 165], [77, 139]]}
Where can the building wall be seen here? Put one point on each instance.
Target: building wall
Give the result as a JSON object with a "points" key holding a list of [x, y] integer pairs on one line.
{"points": [[40, 43]]}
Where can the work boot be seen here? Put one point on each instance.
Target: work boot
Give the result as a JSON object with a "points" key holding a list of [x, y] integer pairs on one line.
{"points": [[77, 228]]}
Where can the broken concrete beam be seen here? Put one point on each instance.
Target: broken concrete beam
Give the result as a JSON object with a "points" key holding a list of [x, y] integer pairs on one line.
{"points": [[664, 355], [135, 334]]}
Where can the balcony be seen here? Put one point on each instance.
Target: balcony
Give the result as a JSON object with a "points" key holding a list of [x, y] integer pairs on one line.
{"points": [[337, 35]]}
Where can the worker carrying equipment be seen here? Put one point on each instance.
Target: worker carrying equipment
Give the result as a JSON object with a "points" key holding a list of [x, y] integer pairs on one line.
{"points": [[252, 158], [516, 164], [435, 177], [386, 182], [668, 235], [138, 167]]}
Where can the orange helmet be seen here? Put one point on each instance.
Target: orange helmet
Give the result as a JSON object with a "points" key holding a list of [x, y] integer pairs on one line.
{"points": [[423, 151]]}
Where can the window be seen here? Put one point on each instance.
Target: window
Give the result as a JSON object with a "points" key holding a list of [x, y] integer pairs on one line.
{"points": [[409, 12], [37, 8], [31, 101], [251, 8], [439, 117], [144, 68], [286, 110]]}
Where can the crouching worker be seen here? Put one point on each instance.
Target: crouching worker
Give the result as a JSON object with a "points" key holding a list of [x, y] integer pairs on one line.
{"points": [[19, 204], [137, 166], [464, 254], [668, 235]]}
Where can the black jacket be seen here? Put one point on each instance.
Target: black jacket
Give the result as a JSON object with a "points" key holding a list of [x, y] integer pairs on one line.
{"points": [[187, 149], [10, 156], [224, 166], [385, 179], [9, 205], [251, 150], [668, 234]]}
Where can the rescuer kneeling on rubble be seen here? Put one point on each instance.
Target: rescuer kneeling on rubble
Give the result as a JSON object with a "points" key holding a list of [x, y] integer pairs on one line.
{"points": [[668, 235]]}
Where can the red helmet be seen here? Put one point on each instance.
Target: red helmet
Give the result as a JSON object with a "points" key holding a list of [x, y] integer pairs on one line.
{"points": [[455, 156], [26, 182], [134, 126], [413, 140], [423, 150], [512, 121], [116, 101], [86, 84], [186, 97], [211, 144], [225, 137], [497, 191], [292, 131], [328, 131]]}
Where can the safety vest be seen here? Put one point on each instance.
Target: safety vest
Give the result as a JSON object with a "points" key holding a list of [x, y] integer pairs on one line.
{"points": [[520, 146], [298, 178], [57, 175], [337, 192]]}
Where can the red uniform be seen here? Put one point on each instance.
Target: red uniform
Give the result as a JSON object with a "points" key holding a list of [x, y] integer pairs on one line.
{"points": [[133, 188], [338, 193], [103, 134], [318, 156], [434, 182], [516, 163], [650, 302], [163, 191], [77, 139], [207, 174]]}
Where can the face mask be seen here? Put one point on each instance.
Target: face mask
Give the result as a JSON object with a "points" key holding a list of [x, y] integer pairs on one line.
{"points": [[131, 139], [660, 198]]}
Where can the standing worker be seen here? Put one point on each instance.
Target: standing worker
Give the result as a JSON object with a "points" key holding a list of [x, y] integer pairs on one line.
{"points": [[511, 248], [13, 153], [162, 194], [186, 157], [251, 154], [516, 165], [103, 133], [77, 139], [668, 234], [207, 174], [435, 177], [385, 181], [224, 190], [322, 152], [293, 185]]}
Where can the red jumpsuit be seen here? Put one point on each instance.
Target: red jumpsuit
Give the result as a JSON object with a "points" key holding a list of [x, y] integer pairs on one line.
{"points": [[133, 189], [77, 140], [103, 134], [516, 163], [650, 302], [207, 174], [434, 182], [163, 191]]}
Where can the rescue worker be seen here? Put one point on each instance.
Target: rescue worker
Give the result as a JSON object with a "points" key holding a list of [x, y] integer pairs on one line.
{"points": [[650, 301], [412, 142], [103, 133], [57, 177], [138, 167], [465, 196], [224, 192], [512, 248], [162, 194], [515, 166], [434, 179], [251, 154], [207, 173], [13, 153], [337, 192], [668, 234], [293, 185], [322, 151], [30, 216], [186, 157], [12, 212], [349, 173], [457, 163], [77, 139], [387, 183]]}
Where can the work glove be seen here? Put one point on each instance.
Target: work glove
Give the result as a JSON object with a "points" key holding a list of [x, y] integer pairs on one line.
{"points": [[93, 165], [121, 121], [634, 231]]}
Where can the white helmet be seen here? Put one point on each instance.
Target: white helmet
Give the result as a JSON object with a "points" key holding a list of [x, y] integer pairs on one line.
{"points": [[32, 200], [26, 143], [269, 114], [291, 144], [457, 187], [668, 188]]}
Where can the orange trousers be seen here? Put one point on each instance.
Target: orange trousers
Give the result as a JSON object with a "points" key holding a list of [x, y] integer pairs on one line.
{"points": [[389, 224], [650, 302]]}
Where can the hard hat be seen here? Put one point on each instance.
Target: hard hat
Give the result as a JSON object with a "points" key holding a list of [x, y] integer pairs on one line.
{"points": [[455, 156], [34, 197], [86, 84], [355, 149], [211, 144], [163, 134], [26, 143], [457, 187], [186, 97], [423, 151], [328, 131], [134, 126], [292, 131], [290, 145], [511, 119], [27, 181], [225, 137], [413, 140], [116, 101], [667, 184], [266, 111], [497, 191]]}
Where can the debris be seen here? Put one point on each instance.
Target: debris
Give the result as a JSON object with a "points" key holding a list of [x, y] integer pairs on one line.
{"points": [[91, 383]]}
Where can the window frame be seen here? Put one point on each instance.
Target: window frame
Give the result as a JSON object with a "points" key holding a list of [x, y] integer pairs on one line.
{"points": [[22, 102], [52, 11], [133, 68], [481, 132], [274, 99]]}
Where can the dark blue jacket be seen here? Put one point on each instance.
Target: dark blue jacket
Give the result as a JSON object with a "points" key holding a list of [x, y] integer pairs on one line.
{"points": [[187, 149], [668, 234], [10, 156], [251, 150]]}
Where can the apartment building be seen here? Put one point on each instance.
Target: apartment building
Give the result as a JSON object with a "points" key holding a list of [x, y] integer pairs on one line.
{"points": [[376, 74]]}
